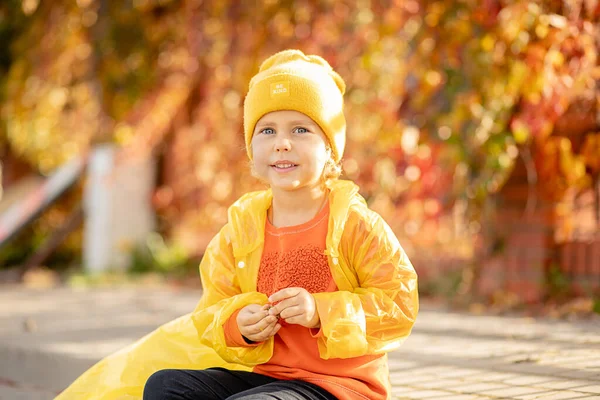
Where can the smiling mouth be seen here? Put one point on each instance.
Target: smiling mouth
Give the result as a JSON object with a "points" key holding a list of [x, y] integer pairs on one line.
{"points": [[284, 166]]}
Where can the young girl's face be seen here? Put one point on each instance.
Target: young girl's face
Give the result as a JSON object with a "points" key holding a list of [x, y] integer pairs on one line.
{"points": [[289, 150]]}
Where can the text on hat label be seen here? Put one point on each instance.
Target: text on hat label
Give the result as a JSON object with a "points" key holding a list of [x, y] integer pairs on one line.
{"points": [[280, 89]]}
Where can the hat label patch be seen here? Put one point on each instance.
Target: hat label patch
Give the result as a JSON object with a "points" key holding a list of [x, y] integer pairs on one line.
{"points": [[280, 89]]}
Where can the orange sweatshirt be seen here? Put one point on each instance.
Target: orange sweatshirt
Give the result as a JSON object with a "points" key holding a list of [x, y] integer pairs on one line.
{"points": [[294, 257]]}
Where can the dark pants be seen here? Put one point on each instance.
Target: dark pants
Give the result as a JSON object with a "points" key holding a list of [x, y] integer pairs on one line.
{"points": [[223, 384]]}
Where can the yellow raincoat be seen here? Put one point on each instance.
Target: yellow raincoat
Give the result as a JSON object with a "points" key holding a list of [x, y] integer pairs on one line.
{"points": [[372, 312]]}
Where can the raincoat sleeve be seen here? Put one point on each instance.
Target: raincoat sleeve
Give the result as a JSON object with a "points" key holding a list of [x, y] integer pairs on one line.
{"points": [[379, 314], [221, 298]]}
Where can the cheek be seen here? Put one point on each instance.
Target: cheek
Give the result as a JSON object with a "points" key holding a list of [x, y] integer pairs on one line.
{"points": [[258, 159], [257, 150], [321, 158]]}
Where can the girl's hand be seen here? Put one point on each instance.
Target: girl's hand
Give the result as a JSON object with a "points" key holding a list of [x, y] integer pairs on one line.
{"points": [[296, 306], [256, 324]]}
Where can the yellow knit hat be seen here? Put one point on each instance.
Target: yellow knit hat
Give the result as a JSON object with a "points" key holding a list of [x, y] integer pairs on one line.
{"points": [[291, 80]]}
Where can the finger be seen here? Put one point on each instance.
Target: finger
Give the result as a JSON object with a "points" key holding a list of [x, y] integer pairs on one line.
{"points": [[271, 330], [261, 333], [253, 333], [262, 325], [278, 309], [297, 320], [275, 330], [292, 312], [284, 294], [253, 308], [266, 307], [251, 319]]}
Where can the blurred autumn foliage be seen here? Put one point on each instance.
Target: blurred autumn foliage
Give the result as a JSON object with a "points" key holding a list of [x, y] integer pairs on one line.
{"points": [[443, 98]]}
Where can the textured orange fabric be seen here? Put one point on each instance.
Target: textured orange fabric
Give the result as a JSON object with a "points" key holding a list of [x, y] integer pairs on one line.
{"points": [[294, 257]]}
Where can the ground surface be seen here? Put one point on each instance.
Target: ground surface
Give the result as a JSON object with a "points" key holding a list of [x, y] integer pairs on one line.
{"points": [[49, 337]]}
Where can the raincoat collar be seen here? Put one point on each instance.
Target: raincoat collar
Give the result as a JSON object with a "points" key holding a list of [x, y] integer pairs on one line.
{"points": [[247, 217]]}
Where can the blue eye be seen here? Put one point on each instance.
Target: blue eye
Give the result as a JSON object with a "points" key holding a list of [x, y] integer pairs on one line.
{"points": [[301, 130], [267, 131]]}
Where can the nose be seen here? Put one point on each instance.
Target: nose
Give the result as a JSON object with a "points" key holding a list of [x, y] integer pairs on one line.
{"points": [[282, 144]]}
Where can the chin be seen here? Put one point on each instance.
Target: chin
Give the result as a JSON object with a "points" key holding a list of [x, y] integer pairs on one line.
{"points": [[293, 185]]}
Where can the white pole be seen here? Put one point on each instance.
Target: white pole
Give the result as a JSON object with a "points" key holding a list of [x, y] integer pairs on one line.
{"points": [[118, 212]]}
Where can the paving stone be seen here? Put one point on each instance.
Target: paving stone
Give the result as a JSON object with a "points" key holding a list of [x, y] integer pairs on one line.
{"points": [[434, 370], [399, 390], [588, 389], [534, 396], [527, 380], [559, 384], [408, 379], [438, 384], [401, 365], [479, 387], [580, 374], [532, 368], [460, 372], [427, 394], [495, 377], [512, 391], [563, 395], [593, 363]]}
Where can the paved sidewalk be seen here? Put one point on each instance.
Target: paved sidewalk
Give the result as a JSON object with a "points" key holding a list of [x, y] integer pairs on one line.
{"points": [[49, 337]]}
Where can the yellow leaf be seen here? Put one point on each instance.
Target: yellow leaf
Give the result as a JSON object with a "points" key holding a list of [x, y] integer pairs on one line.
{"points": [[487, 43], [541, 30], [520, 132], [556, 58]]}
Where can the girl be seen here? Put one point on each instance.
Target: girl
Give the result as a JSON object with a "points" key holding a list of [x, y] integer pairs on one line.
{"points": [[304, 283], [305, 288]]}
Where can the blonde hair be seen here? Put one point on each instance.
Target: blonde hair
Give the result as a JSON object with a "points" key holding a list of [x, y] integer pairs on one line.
{"points": [[332, 170]]}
